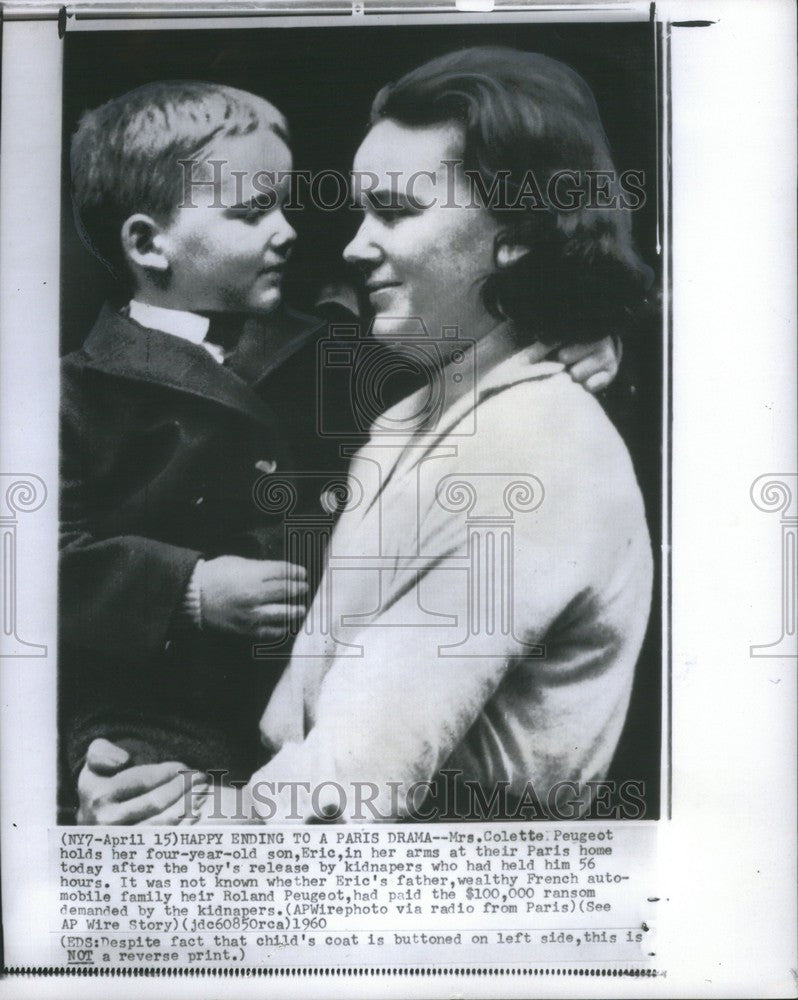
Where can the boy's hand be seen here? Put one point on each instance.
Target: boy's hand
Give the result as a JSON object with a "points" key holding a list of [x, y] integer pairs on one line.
{"points": [[592, 365], [111, 794], [258, 598]]}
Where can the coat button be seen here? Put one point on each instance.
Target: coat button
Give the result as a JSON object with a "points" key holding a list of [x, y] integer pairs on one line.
{"points": [[266, 465]]}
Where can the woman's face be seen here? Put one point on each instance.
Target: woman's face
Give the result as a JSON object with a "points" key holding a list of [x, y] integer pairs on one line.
{"points": [[423, 246]]}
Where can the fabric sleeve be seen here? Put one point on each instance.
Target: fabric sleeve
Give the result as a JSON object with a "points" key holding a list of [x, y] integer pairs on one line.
{"points": [[117, 595]]}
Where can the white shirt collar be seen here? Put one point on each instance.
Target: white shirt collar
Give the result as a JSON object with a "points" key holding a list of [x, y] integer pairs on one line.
{"points": [[177, 322]]}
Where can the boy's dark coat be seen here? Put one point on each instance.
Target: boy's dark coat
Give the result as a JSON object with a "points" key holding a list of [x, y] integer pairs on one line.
{"points": [[159, 448]]}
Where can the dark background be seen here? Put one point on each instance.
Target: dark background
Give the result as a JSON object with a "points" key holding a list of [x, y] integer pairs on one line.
{"points": [[323, 79]]}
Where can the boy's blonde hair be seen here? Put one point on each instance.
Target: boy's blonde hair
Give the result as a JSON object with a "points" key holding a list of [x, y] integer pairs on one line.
{"points": [[124, 154]]}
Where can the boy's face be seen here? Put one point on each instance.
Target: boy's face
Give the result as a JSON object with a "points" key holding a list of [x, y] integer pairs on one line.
{"points": [[226, 252]]}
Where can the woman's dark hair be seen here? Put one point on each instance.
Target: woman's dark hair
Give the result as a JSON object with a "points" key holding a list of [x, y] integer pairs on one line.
{"points": [[527, 119]]}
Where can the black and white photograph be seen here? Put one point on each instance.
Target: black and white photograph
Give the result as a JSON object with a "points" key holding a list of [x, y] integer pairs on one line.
{"points": [[362, 407], [398, 499]]}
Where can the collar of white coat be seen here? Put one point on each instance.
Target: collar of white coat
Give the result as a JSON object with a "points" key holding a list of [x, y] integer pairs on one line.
{"points": [[496, 363]]}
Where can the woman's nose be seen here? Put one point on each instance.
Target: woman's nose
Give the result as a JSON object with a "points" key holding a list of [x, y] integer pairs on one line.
{"points": [[362, 249]]}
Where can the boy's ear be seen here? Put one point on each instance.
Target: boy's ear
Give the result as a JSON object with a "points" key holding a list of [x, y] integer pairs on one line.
{"points": [[143, 243], [508, 253]]}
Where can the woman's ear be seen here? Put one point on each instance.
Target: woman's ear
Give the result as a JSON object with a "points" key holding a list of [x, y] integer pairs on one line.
{"points": [[508, 254], [143, 243]]}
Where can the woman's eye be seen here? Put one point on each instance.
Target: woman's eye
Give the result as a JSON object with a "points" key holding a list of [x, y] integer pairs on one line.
{"points": [[390, 215], [253, 213]]}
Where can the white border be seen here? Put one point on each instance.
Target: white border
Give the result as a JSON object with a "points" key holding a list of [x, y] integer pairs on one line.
{"points": [[30, 212]]}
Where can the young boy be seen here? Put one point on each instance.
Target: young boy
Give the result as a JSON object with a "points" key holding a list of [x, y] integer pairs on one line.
{"points": [[169, 570]]}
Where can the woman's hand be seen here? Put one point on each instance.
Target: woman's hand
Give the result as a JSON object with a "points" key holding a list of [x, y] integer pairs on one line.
{"points": [[110, 793]]}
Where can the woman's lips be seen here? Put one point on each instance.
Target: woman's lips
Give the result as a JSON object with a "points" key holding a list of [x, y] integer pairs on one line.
{"points": [[381, 286]]}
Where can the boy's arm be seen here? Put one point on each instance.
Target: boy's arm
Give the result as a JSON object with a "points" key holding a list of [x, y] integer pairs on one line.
{"points": [[119, 595], [593, 365], [124, 595]]}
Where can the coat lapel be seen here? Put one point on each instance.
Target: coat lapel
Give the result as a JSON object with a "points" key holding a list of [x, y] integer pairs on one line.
{"points": [[268, 343], [119, 347]]}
